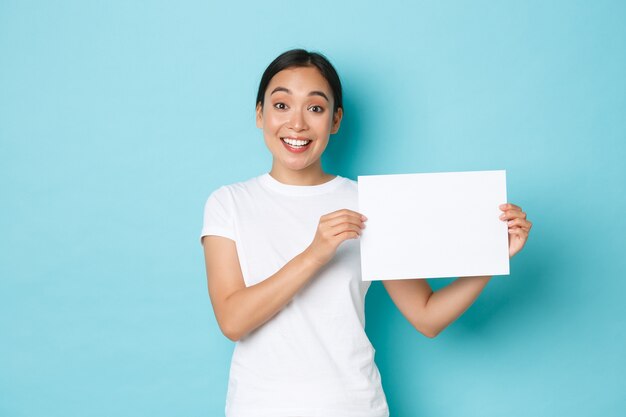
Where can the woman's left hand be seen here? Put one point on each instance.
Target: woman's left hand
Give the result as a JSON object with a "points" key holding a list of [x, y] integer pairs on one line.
{"points": [[519, 227]]}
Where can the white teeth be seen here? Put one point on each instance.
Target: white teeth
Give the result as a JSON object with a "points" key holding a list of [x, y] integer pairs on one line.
{"points": [[296, 142]]}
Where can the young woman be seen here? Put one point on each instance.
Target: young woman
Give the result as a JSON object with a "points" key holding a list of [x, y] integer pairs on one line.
{"points": [[283, 268]]}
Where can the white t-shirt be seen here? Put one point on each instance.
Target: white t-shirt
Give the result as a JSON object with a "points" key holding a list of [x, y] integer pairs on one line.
{"points": [[313, 358]]}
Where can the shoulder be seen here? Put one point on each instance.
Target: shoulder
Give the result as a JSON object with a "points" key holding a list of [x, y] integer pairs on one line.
{"points": [[232, 190], [226, 197]]}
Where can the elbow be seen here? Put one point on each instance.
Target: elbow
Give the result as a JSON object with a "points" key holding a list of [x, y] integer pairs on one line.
{"points": [[233, 336], [231, 330], [427, 330], [229, 324], [430, 333]]}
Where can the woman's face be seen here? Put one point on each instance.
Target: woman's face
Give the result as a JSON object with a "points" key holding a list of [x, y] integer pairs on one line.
{"points": [[297, 119]]}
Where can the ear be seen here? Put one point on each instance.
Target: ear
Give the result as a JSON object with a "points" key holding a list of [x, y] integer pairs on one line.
{"points": [[259, 116], [336, 120]]}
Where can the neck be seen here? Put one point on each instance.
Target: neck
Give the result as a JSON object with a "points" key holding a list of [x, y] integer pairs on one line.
{"points": [[313, 175]]}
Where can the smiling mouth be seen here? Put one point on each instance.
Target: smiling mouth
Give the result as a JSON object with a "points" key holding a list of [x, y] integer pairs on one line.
{"points": [[296, 143]]}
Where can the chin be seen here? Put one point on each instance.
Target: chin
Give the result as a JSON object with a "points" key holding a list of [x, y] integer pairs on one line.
{"points": [[296, 167]]}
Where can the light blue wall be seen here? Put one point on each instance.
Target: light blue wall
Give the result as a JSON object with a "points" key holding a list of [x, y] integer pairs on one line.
{"points": [[118, 118]]}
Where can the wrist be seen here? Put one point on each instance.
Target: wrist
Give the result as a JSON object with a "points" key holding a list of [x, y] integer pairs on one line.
{"points": [[309, 260]]}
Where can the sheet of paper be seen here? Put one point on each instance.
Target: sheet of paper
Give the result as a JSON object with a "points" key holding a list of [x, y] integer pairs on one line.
{"points": [[433, 225]]}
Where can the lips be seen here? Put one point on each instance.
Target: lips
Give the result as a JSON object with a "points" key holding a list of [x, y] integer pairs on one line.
{"points": [[296, 145]]}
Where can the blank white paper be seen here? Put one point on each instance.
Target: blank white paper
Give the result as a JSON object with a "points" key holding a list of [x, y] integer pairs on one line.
{"points": [[433, 225]]}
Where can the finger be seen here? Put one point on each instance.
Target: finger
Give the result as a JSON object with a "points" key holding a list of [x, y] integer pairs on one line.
{"points": [[513, 214], [331, 232], [345, 227], [519, 223], [347, 235], [509, 206], [343, 212], [347, 218], [519, 232]]}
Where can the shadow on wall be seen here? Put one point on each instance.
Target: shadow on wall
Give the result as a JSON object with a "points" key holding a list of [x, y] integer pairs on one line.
{"points": [[356, 142], [342, 154]]}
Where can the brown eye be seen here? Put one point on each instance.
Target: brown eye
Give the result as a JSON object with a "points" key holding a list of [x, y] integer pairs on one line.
{"points": [[280, 106], [316, 109]]}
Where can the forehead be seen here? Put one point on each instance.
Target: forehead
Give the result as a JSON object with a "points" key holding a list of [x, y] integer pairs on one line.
{"points": [[300, 80]]}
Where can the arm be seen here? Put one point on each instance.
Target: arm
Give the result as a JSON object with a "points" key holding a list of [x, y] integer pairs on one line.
{"points": [[240, 309], [431, 312]]}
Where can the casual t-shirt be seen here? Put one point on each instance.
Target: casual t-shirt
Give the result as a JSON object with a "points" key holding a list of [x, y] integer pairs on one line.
{"points": [[312, 358]]}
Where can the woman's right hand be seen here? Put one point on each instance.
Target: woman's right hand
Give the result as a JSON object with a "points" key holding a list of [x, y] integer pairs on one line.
{"points": [[332, 230]]}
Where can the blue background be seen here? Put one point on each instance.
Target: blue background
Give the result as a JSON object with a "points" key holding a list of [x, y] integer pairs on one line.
{"points": [[118, 118]]}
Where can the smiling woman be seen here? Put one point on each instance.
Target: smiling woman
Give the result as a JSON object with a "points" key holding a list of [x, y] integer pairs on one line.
{"points": [[283, 264], [303, 92]]}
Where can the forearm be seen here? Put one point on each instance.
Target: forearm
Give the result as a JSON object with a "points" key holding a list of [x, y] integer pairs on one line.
{"points": [[250, 307], [240, 309], [449, 303]]}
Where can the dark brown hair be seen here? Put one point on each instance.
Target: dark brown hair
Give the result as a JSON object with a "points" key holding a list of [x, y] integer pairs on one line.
{"points": [[302, 58]]}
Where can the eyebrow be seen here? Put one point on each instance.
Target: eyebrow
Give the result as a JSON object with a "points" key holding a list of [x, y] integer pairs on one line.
{"points": [[312, 93]]}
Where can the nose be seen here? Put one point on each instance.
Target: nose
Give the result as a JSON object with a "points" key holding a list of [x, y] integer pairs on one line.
{"points": [[297, 121]]}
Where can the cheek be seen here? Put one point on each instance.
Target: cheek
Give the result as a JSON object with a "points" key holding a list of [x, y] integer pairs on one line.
{"points": [[274, 121], [325, 123]]}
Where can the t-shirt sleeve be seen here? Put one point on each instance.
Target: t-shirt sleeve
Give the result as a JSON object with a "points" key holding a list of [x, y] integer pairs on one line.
{"points": [[218, 215]]}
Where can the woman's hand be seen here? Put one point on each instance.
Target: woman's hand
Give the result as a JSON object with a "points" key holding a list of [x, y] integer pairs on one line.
{"points": [[519, 227], [333, 229]]}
